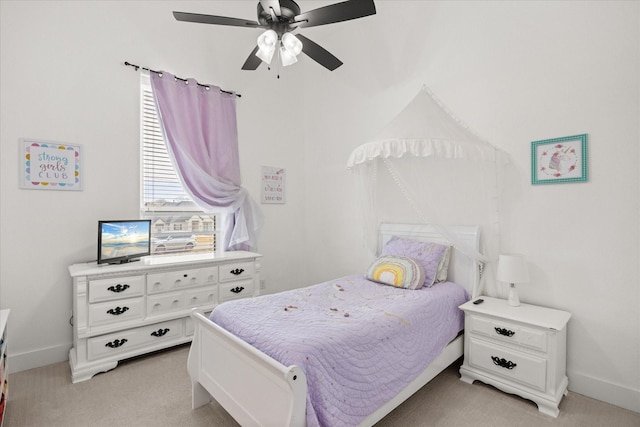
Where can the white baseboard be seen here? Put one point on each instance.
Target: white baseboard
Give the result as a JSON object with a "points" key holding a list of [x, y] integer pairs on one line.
{"points": [[596, 388], [37, 358]]}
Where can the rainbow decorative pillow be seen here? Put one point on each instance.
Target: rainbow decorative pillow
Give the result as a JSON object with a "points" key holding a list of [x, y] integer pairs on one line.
{"points": [[430, 255], [401, 272]]}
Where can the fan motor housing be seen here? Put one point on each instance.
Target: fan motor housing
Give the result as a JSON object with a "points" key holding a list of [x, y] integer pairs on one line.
{"points": [[288, 11]]}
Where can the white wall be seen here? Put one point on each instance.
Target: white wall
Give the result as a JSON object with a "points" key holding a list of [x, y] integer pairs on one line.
{"points": [[63, 79], [514, 71]]}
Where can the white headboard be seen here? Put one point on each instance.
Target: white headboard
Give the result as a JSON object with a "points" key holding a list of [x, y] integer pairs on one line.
{"points": [[463, 270]]}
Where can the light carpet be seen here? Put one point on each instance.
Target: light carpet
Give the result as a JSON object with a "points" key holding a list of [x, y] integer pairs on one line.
{"points": [[155, 391]]}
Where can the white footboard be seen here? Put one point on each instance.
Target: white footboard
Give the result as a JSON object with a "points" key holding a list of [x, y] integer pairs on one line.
{"points": [[254, 388]]}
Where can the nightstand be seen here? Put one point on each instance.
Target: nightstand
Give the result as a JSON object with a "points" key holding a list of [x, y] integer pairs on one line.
{"points": [[519, 350]]}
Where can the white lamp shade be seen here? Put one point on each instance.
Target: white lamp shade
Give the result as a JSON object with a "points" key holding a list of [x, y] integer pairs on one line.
{"points": [[512, 268]]}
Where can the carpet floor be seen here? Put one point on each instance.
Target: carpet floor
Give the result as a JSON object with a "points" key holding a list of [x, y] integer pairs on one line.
{"points": [[155, 391]]}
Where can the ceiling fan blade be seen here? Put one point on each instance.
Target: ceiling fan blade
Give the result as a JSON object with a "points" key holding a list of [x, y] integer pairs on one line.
{"points": [[338, 12], [212, 19], [271, 4], [318, 53], [252, 62]]}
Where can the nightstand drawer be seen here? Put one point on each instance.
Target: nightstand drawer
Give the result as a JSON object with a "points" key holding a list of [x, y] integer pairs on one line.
{"points": [[509, 332], [512, 364]]}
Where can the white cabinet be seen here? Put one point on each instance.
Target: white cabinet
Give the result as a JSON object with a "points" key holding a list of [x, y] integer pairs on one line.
{"points": [[121, 311], [520, 350], [4, 376]]}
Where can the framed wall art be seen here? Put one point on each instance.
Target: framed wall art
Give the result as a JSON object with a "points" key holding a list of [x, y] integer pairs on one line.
{"points": [[273, 185], [559, 160], [47, 165]]}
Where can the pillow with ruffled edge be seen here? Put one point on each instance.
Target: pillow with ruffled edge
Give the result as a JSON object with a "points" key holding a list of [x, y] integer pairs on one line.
{"points": [[401, 272], [428, 254]]}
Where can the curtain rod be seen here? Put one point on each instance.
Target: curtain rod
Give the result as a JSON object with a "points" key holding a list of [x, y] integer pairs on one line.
{"points": [[137, 67]]}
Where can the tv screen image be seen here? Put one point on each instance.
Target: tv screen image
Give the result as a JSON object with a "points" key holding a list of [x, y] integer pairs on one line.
{"points": [[122, 241]]}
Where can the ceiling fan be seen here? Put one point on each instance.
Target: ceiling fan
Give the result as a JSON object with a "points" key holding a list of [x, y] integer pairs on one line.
{"points": [[279, 18]]}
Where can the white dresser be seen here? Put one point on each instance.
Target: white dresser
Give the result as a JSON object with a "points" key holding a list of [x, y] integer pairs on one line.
{"points": [[121, 311], [520, 350]]}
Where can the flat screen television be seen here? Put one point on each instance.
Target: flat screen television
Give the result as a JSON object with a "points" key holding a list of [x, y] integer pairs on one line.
{"points": [[123, 241]]}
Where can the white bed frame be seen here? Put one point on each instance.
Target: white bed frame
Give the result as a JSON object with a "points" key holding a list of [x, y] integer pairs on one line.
{"points": [[257, 390]]}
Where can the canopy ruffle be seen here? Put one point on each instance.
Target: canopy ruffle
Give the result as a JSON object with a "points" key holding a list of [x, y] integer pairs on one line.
{"points": [[423, 147]]}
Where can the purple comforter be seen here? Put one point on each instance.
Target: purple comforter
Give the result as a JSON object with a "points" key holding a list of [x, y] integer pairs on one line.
{"points": [[359, 342]]}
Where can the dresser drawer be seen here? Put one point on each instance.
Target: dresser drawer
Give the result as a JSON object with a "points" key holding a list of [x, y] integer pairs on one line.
{"points": [[512, 364], [174, 280], [201, 297], [175, 301], [120, 342], [242, 289], [115, 288], [509, 332], [236, 271], [115, 311], [165, 303]]}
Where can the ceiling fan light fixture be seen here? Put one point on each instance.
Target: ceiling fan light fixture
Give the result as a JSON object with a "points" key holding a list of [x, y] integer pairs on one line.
{"points": [[291, 44], [267, 45], [286, 57]]}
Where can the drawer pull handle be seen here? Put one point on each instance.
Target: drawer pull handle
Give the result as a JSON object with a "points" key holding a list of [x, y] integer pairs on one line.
{"points": [[237, 271], [237, 289], [116, 343], [117, 311], [160, 332], [504, 363], [118, 288], [505, 332]]}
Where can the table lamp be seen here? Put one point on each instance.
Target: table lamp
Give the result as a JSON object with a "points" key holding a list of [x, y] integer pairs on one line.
{"points": [[512, 268]]}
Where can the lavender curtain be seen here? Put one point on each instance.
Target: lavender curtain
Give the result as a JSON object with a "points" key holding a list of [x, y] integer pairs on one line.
{"points": [[202, 137]]}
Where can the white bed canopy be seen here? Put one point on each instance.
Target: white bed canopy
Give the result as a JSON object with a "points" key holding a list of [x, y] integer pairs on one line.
{"points": [[434, 170]]}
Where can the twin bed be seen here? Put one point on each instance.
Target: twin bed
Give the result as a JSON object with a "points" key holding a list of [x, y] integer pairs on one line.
{"points": [[344, 352]]}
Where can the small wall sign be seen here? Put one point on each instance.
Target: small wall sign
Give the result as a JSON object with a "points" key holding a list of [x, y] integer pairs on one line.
{"points": [[273, 185], [47, 165], [559, 160]]}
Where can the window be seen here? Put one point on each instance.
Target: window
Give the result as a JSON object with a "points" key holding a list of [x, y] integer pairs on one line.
{"points": [[178, 223]]}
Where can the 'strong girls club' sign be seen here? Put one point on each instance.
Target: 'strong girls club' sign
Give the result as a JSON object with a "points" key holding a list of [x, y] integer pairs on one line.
{"points": [[49, 165]]}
